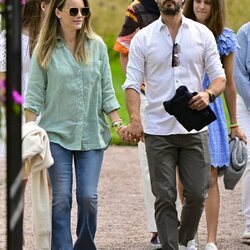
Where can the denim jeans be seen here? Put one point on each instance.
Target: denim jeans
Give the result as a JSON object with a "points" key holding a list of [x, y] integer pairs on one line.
{"points": [[87, 170]]}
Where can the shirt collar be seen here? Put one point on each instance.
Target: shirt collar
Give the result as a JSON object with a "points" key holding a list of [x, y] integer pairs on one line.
{"points": [[160, 25], [60, 42]]}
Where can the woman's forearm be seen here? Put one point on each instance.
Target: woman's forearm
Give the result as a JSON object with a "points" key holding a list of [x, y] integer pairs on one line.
{"points": [[29, 116]]}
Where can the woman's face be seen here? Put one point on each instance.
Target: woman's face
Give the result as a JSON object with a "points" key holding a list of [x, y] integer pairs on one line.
{"points": [[72, 15], [202, 10]]}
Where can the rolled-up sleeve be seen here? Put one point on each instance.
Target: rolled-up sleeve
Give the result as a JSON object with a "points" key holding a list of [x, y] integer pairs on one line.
{"points": [[35, 96], [213, 65], [110, 102], [136, 63]]}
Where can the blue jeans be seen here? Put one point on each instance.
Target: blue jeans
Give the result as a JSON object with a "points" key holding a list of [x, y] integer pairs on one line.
{"points": [[87, 171]]}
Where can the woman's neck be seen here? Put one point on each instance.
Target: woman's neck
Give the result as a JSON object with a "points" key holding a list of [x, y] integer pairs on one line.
{"points": [[70, 40]]}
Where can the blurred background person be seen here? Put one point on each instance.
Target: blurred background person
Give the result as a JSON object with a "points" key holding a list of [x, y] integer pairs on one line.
{"points": [[242, 79], [212, 14], [139, 14]]}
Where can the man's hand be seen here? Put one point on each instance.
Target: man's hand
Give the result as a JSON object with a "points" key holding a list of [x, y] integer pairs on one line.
{"points": [[199, 101], [133, 133]]}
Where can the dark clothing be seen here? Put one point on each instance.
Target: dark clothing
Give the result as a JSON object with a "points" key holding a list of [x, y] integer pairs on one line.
{"points": [[189, 118], [139, 14], [151, 6]]}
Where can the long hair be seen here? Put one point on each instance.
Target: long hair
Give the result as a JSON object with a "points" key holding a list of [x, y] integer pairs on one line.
{"points": [[31, 19], [216, 23], [52, 29]]}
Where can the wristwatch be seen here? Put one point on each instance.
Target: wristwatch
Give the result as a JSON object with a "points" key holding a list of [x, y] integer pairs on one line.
{"points": [[211, 94]]}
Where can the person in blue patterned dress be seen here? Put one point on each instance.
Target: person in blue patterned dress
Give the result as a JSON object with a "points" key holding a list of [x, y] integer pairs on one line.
{"points": [[212, 14]]}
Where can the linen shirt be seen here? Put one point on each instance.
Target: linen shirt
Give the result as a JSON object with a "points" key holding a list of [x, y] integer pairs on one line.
{"points": [[73, 97], [242, 64], [150, 58]]}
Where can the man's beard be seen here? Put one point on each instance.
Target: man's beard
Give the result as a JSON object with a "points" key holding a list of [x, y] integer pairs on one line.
{"points": [[172, 11]]}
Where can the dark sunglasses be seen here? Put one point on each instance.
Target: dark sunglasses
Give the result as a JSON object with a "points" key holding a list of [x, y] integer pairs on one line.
{"points": [[74, 11], [175, 55]]}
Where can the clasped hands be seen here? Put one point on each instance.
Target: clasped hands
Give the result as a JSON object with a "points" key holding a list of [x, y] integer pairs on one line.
{"points": [[132, 133]]}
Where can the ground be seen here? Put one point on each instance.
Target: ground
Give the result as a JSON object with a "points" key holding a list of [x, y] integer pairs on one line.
{"points": [[121, 216]]}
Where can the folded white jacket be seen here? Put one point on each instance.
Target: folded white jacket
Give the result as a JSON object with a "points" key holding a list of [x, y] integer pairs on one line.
{"points": [[37, 158]]}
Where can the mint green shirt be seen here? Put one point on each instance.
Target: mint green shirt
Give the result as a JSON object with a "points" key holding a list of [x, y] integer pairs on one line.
{"points": [[73, 97]]}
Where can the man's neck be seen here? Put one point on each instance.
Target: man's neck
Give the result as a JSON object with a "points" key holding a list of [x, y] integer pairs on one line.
{"points": [[173, 23]]}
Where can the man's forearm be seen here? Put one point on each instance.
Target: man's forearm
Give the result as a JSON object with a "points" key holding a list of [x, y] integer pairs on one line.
{"points": [[29, 116], [133, 102], [218, 85]]}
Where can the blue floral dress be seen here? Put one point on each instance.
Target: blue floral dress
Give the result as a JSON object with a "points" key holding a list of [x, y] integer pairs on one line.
{"points": [[218, 133]]}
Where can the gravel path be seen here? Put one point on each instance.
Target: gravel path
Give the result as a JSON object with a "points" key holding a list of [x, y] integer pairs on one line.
{"points": [[121, 216]]}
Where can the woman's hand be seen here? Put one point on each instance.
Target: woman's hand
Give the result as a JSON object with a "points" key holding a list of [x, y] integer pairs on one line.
{"points": [[237, 132], [133, 133]]}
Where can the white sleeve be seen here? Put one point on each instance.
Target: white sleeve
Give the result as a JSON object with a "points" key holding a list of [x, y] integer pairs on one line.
{"points": [[136, 62], [213, 65], [3, 51]]}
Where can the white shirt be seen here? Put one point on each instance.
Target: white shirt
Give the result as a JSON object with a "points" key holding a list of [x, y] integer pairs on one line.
{"points": [[25, 58], [25, 75], [150, 58]]}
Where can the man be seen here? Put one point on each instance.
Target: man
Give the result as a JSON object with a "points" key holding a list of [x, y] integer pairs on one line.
{"points": [[170, 52], [242, 80], [138, 15]]}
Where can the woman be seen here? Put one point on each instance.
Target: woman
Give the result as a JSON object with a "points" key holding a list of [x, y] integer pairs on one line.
{"points": [[212, 14], [70, 86], [242, 78]]}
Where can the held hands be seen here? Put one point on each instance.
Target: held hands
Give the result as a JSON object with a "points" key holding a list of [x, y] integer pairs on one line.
{"points": [[131, 133]]}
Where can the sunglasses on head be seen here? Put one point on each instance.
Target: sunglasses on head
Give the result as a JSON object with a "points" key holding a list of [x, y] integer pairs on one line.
{"points": [[175, 55], [74, 11]]}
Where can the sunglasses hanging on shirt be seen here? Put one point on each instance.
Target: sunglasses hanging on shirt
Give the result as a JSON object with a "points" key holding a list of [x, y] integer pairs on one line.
{"points": [[175, 55]]}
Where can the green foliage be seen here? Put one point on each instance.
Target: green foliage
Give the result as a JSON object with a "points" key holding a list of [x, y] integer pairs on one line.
{"points": [[118, 80], [238, 13], [108, 16]]}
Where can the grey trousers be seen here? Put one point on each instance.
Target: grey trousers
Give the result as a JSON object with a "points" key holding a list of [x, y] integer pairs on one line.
{"points": [[191, 154]]}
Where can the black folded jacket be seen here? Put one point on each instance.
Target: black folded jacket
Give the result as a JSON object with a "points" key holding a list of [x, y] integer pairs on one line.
{"points": [[187, 117]]}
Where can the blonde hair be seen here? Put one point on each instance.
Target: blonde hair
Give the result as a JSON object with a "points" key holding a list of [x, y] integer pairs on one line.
{"points": [[52, 29]]}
